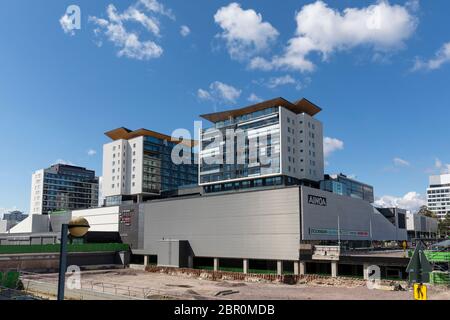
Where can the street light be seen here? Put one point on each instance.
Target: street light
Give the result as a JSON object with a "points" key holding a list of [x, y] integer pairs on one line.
{"points": [[78, 227]]}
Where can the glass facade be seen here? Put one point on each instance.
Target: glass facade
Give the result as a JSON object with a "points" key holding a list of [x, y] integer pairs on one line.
{"points": [[69, 188], [255, 147], [159, 172], [342, 185]]}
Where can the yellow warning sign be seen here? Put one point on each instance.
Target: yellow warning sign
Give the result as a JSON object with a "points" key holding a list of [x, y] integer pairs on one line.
{"points": [[420, 291]]}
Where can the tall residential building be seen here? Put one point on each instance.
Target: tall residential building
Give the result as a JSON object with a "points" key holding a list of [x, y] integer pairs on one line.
{"points": [[345, 186], [11, 219], [275, 142], [63, 187], [438, 195], [137, 165]]}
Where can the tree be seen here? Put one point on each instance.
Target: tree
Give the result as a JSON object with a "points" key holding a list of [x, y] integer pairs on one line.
{"points": [[424, 211], [444, 226]]}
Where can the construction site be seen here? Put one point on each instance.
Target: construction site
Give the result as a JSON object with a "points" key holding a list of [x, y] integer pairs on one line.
{"points": [[112, 276]]}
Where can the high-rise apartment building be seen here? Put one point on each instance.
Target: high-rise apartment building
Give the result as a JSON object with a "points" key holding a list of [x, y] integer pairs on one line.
{"points": [[274, 142], [438, 195], [138, 165], [63, 187]]}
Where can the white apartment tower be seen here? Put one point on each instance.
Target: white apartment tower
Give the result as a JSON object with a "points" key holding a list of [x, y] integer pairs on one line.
{"points": [[137, 164], [284, 132], [438, 195]]}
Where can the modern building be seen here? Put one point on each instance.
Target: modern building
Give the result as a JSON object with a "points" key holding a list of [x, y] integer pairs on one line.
{"points": [[438, 195], [63, 187], [11, 219], [345, 186], [137, 166], [275, 142], [419, 226]]}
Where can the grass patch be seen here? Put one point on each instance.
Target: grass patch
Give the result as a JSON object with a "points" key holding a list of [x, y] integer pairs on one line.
{"points": [[55, 248]]}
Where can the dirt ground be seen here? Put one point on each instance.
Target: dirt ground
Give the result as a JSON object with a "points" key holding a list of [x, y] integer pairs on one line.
{"points": [[158, 285]]}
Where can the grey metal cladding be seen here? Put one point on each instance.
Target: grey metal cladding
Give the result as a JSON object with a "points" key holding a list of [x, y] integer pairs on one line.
{"points": [[355, 215], [254, 225]]}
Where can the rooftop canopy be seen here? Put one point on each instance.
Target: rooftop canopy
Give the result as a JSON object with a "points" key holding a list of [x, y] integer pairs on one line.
{"points": [[127, 134], [300, 106]]}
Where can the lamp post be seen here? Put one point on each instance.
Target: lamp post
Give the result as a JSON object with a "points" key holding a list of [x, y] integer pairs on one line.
{"points": [[62, 261], [78, 227]]}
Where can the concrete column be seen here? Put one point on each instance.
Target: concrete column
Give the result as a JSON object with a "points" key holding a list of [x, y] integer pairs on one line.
{"points": [[334, 269], [216, 264], [245, 266], [302, 267], [365, 271], [190, 262], [279, 267], [146, 260], [296, 268]]}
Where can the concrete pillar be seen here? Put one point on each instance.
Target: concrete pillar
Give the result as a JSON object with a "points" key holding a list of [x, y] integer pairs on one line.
{"points": [[245, 266], [366, 271], [296, 268], [334, 269], [302, 267], [190, 262], [279, 267], [216, 264], [146, 259]]}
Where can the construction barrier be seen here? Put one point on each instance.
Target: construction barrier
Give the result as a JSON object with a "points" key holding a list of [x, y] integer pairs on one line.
{"points": [[440, 277]]}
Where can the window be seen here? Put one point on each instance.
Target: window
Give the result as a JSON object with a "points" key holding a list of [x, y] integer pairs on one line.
{"points": [[112, 186]]}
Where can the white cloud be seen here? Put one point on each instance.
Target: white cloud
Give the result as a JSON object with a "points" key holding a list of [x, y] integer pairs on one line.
{"points": [[203, 94], [441, 167], [219, 92], [244, 31], [91, 152], [331, 145], [67, 24], [280, 81], [144, 13], [411, 201], [441, 57], [401, 162], [413, 5], [320, 29], [185, 31], [254, 98], [275, 82], [156, 7]]}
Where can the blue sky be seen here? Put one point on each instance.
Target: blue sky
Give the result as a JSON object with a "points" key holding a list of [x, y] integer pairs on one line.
{"points": [[381, 76]]}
